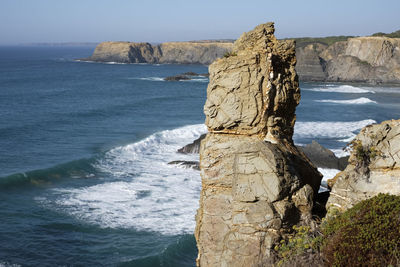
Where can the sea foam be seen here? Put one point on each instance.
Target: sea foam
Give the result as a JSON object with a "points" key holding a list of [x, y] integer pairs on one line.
{"points": [[358, 101], [340, 89], [327, 174], [142, 192], [337, 130], [150, 195]]}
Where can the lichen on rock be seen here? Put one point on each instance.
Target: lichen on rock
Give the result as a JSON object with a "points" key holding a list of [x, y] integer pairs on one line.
{"points": [[255, 183]]}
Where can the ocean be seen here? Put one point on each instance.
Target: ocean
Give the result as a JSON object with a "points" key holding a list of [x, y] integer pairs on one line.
{"points": [[84, 152]]}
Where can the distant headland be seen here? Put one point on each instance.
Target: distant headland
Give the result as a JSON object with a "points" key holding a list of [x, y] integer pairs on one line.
{"points": [[372, 59]]}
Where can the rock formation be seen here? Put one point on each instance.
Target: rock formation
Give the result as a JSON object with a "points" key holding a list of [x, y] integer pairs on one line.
{"points": [[320, 156], [173, 52], [255, 183], [323, 157], [361, 59], [374, 166]]}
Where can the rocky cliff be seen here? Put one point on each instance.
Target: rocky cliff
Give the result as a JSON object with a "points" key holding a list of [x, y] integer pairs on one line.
{"points": [[255, 183], [361, 59], [374, 166], [173, 52]]}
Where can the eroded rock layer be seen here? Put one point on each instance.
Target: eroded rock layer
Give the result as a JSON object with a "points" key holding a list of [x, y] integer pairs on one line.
{"points": [[255, 183], [374, 166], [172, 52]]}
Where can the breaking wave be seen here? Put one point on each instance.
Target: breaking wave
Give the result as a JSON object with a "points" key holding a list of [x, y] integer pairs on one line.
{"points": [[340, 89], [358, 101], [146, 193], [336, 130]]}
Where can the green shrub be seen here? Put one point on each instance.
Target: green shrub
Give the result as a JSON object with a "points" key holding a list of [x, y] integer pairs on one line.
{"points": [[366, 235], [364, 154], [229, 54], [302, 240]]}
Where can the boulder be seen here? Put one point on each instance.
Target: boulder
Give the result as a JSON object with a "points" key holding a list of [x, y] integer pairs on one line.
{"points": [[255, 183], [194, 147], [374, 166], [323, 157]]}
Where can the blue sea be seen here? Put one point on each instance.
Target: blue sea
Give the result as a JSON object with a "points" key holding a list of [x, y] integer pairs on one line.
{"points": [[84, 152]]}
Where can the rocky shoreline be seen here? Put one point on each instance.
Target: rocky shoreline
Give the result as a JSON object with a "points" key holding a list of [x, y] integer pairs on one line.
{"points": [[320, 156], [372, 60], [260, 203]]}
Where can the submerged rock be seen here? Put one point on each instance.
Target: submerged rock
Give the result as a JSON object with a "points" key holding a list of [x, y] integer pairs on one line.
{"points": [[186, 164], [255, 183], [185, 76], [374, 166], [178, 77]]}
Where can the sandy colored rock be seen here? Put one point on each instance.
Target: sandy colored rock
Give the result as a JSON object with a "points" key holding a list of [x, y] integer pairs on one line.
{"points": [[172, 52], [373, 168], [255, 182], [360, 59], [309, 66]]}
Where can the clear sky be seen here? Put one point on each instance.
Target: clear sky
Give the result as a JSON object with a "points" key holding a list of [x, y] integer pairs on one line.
{"points": [[26, 21]]}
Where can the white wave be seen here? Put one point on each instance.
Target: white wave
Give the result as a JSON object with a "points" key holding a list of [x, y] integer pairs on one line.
{"points": [[6, 264], [340, 89], [203, 80], [340, 152], [114, 63], [156, 79], [160, 79], [358, 101], [327, 174], [150, 194], [328, 129], [390, 90]]}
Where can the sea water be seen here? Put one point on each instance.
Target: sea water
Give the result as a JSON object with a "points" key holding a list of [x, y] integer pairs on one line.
{"points": [[84, 152]]}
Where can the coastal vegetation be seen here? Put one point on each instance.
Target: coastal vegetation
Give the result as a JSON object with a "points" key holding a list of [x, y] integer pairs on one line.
{"points": [[329, 40], [395, 34], [367, 234]]}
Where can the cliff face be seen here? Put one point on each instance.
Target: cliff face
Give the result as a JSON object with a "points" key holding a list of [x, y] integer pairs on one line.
{"points": [[374, 166], [192, 52], [173, 52], [362, 59], [255, 182], [309, 67]]}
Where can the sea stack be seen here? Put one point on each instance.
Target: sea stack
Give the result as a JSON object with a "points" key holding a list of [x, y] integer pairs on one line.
{"points": [[255, 183]]}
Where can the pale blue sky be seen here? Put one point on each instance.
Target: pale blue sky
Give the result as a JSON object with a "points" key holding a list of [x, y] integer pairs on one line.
{"points": [[29, 21]]}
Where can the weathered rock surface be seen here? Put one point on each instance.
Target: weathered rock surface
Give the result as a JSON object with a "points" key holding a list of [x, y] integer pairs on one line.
{"points": [[173, 52], [323, 157], [194, 147], [255, 183], [361, 59], [309, 66], [320, 156], [374, 166]]}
